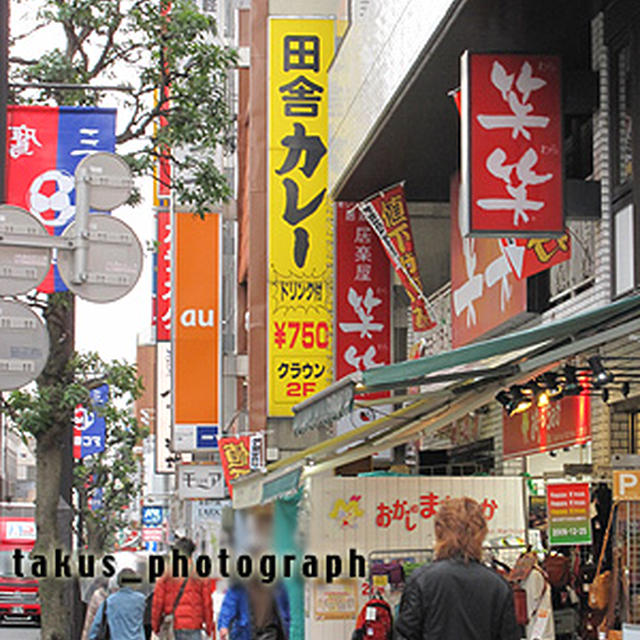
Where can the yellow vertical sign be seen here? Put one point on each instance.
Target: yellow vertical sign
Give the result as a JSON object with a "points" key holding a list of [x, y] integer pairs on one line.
{"points": [[300, 243]]}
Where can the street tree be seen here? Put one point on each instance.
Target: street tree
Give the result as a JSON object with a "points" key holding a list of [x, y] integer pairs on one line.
{"points": [[176, 107]]}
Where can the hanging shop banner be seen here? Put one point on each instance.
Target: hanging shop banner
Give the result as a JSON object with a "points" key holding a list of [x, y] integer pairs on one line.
{"points": [[511, 136], [388, 215], [200, 481], [44, 146], [485, 292], [163, 408], [558, 424], [240, 456], [568, 512], [196, 332], [89, 426], [369, 513], [163, 277], [300, 242], [528, 256], [363, 295]]}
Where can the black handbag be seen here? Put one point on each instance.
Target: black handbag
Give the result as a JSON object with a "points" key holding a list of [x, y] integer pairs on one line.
{"points": [[103, 632]]}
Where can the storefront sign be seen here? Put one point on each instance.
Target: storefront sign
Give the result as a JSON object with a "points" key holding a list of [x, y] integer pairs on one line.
{"points": [[44, 146], [300, 236], [485, 292], [200, 481], [89, 425], [398, 512], [335, 601], [568, 513], [363, 295], [561, 423], [196, 331], [626, 485], [163, 277], [512, 172], [388, 215]]}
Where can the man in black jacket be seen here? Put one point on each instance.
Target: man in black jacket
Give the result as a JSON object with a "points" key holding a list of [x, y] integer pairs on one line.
{"points": [[456, 597]]}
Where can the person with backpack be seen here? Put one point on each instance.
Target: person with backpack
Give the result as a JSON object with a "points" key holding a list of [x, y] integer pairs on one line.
{"points": [[457, 597], [121, 613], [182, 604]]}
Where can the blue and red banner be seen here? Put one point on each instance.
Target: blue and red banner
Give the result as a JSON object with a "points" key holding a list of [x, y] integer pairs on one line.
{"points": [[44, 146]]}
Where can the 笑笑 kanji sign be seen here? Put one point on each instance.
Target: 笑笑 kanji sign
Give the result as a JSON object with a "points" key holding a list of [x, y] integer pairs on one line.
{"points": [[511, 138], [196, 331], [363, 295], [388, 215], [568, 511], [379, 513], [300, 235], [561, 423], [485, 291], [44, 146]]}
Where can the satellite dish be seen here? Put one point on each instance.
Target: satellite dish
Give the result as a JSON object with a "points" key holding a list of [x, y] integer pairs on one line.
{"points": [[114, 260], [21, 268], [109, 180], [24, 345]]}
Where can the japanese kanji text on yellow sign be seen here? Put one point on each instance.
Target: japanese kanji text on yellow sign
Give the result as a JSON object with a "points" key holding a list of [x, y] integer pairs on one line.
{"points": [[300, 242]]}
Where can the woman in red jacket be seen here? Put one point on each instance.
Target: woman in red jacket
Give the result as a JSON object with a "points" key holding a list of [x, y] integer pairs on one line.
{"points": [[188, 600]]}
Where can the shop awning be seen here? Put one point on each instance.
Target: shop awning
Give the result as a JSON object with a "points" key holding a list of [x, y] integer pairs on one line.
{"points": [[452, 384]]}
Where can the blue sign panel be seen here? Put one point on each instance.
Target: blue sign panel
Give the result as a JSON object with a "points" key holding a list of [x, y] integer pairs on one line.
{"points": [[93, 425], [206, 437], [151, 516]]}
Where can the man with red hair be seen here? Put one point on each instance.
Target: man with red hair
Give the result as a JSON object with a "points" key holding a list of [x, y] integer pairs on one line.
{"points": [[456, 597]]}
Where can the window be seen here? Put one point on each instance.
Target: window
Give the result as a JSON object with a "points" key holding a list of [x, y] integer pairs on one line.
{"points": [[622, 116]]}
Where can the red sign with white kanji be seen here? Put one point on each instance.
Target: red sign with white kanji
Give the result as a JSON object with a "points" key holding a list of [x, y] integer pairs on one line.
{"points": [[363, 295], [163, 278], [485, 291], [512, 144]]}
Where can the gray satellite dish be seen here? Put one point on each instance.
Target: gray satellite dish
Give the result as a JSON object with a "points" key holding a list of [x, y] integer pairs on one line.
{"points": [[109, 179], [22, 268], [24, 345], [114, 260]]}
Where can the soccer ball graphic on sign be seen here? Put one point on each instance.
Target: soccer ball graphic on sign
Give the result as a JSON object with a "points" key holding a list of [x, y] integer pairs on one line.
{"points": [[59, 201]]}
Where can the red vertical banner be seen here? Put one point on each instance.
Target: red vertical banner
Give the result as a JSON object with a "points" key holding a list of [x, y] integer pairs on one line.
{"points": [[512, 171], [363, 294], [163, 278]]}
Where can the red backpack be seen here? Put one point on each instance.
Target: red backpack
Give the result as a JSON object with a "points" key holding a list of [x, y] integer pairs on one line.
{"points": [[374, 621]]}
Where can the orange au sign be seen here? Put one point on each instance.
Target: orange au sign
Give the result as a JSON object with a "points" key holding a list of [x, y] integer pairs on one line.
{"points": [[626, 485]]}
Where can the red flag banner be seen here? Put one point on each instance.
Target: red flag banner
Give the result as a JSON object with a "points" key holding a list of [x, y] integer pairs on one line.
{"points": [[234, 454], [528, 256], [388, 216]]}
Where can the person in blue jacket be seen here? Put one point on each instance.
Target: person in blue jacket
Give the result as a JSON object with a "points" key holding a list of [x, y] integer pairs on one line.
{"points": [[254, 611], [125, 610]]}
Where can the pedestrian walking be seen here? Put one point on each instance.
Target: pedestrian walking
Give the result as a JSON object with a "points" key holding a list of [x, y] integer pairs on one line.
{"points": [[99, 595], [254, 610], [182, 605], [125, 610], [457, 597]]}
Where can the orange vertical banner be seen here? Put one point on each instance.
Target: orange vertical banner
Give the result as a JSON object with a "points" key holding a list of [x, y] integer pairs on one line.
{"points": [[197, 330]]}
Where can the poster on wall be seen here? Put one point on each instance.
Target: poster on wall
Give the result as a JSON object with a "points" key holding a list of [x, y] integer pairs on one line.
{"points": [[511, 135], [335, 601], [300, 217], [568, 506]]}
